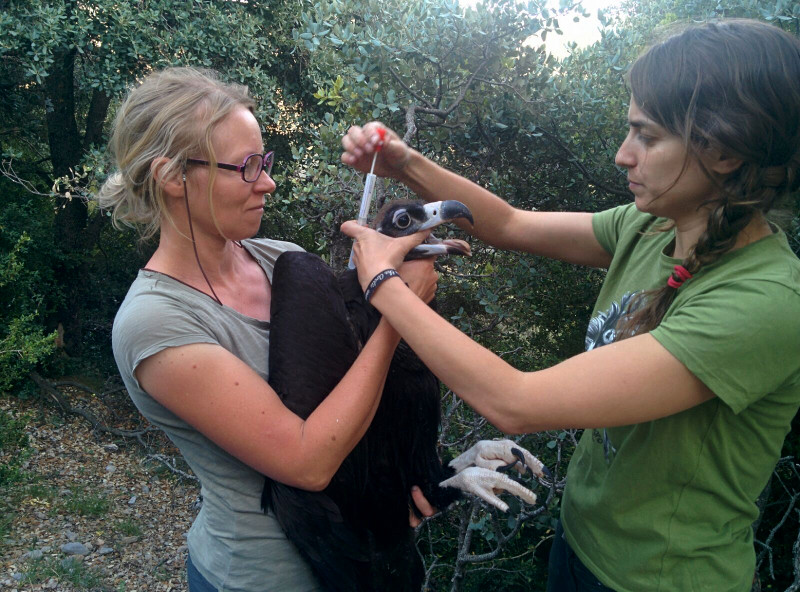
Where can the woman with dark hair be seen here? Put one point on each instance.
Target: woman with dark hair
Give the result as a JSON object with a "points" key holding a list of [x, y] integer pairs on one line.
{"points": [[687, 403]]}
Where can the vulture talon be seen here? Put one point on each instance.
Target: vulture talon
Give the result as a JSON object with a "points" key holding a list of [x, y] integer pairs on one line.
{"points": [[484, 482], [520, 459], [506, 468], [475, 467]]}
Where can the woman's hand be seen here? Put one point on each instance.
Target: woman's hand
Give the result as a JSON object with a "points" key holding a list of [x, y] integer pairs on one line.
{"points": [[360, 144], [423, 505], [374, 252], [421, 277]]}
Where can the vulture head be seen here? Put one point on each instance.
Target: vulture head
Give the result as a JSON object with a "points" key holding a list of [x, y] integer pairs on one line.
{"points": [[403, 217]]}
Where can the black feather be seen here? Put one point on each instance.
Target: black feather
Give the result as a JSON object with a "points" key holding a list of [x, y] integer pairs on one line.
{"points": [[354, 534]]}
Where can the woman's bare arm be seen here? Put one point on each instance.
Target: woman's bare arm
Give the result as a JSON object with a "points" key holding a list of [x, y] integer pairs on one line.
{"points": [[567, 236], [627, 382], [223, 398], [622, 383]]}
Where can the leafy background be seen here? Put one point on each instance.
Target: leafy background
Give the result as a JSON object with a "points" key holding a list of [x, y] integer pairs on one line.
{"points": [[475, 89]]}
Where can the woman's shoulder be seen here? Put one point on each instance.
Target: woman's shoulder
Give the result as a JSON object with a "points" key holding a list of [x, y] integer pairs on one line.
{"points": [[270, 248], [156, 289], [158, 306], [266, 251], [623, 224], [768, 261]]}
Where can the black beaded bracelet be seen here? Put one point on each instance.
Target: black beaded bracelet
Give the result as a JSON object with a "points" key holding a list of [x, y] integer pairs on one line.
{"points": [[377, 281]]}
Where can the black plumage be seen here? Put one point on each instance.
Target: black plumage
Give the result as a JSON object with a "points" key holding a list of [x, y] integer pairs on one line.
{"points": [[355, 534]]}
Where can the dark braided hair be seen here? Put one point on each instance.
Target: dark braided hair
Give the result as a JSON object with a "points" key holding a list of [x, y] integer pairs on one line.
{"points": [[732, 86]]}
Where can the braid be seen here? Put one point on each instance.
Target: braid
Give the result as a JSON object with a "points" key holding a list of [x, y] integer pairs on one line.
{"points": [[648, 308], [724, 224]]}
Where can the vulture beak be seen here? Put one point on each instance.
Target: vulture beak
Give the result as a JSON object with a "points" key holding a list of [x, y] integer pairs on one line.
{"points": [[437, 213], [435, 247]]}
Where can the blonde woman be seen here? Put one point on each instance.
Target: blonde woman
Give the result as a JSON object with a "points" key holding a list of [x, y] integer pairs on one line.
{"points": [[192, 335]]}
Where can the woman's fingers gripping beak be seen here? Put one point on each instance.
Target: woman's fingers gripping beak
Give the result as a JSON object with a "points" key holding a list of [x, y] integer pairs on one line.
{"points": [[374, 252]]}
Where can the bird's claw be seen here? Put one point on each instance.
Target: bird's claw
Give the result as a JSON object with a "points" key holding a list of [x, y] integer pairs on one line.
{"points": [[485, 483], [520, 458], [496, 454], [481, 470]]}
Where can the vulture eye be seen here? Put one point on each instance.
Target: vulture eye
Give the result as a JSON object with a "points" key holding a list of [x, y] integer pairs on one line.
{"points": [[401, 220]]}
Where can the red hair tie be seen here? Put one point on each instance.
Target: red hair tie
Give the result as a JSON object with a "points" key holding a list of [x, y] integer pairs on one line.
{"points": [[682, 273]]}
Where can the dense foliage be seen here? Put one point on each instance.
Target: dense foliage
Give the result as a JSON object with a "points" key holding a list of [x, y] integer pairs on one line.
{"points": [[475, 89]]}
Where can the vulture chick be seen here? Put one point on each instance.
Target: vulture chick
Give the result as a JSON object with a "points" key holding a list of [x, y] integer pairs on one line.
{"points": [[355, 534]]}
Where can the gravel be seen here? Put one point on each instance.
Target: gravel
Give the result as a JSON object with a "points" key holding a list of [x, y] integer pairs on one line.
{"points": [[91, 511]]}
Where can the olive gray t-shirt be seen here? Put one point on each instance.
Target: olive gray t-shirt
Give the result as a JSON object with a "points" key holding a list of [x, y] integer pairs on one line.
{"points": [[234, 545]]}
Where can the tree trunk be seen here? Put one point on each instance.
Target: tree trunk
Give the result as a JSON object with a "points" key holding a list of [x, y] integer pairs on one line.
{"points": [[66, 150], [65, 144]]}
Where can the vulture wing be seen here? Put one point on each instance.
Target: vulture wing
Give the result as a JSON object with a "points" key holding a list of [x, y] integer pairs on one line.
{"points": [[354, 534]]}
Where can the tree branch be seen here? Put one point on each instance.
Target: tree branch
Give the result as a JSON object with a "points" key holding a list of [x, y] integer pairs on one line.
{"points": [[795, 564], [556, 140], [52, 393], [95, 118], [406, 88]]}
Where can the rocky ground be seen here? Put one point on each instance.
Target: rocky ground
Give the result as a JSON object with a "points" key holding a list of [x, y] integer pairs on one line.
{"points": [[82, 509]]}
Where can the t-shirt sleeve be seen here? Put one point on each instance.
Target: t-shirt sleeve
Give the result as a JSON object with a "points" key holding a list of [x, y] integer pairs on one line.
{"points": [[608, 225], [148, 324], [741, 341]]}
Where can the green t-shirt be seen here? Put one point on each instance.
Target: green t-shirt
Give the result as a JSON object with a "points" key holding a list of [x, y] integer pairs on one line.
{"points": [[233, 543], [668, 505]]}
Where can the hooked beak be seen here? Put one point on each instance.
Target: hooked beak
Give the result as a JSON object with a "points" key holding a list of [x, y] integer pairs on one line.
{"points": [[439, 212], [435, 247]]}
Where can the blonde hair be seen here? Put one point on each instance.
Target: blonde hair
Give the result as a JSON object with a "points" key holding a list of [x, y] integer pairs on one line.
{"points": [[172, 113]]}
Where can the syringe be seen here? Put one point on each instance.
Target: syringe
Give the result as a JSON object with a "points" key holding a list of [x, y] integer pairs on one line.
{"points": [[369, 189]]}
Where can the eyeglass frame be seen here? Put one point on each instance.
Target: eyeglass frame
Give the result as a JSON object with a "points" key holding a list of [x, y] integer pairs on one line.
{"points": [[241, 167]]}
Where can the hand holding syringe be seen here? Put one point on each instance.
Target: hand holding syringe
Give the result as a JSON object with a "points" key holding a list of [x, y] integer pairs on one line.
{"points": [[369, 189]]}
